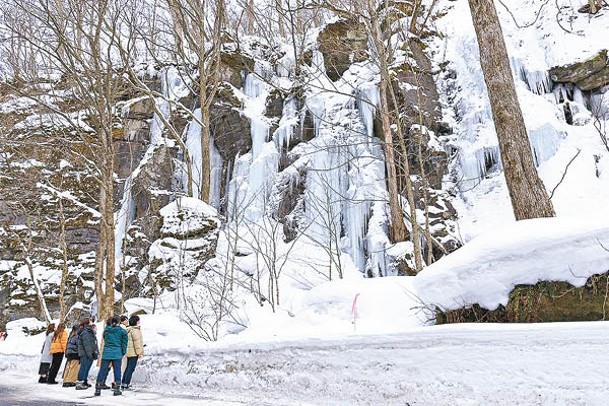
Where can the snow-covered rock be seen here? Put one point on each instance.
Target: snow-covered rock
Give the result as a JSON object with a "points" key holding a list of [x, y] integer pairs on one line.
{"points": [[189, 235]]}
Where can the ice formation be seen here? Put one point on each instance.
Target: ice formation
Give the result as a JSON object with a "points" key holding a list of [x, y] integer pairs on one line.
{"points": [[346, 197], [254, 172]]}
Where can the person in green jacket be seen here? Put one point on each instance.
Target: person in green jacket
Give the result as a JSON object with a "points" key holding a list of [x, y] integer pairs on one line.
{"points": [[115, 346]]}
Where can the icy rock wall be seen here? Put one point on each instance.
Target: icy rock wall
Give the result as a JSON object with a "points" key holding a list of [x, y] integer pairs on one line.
{"points": [[476, 143], [254, 172], [35, 166], [345, 187]]}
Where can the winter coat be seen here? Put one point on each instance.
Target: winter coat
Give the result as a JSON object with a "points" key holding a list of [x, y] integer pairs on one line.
{"points": [[72, 347], [87, 343], [46, 356], [115, 342], [135, 346], [59, 345]]}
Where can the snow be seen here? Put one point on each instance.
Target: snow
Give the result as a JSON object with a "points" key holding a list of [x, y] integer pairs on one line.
{"points": [[486, 269], [553, 364], [336, 337], [542, 37], [185, 214]]}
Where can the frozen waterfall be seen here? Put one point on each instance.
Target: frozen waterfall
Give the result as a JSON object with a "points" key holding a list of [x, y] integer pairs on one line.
{"points": [[254, 172], [346, 197]]}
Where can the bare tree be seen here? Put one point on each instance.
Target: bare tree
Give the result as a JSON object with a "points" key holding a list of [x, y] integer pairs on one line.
{"points": [[197, 31], [75, 39], [25, 243]]}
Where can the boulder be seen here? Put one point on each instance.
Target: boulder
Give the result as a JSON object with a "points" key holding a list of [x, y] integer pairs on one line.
{"points": [[188, 239], [415, 88], [590, 74], [231, 129], [130, 145], [232, 66], [546, 301], [151, 189]]}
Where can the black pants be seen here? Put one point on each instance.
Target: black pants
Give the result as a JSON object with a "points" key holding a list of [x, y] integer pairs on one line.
{"points": [[55, 365]]}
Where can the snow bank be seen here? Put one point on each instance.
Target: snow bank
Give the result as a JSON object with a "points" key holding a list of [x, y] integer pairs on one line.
{"points": [[485, 270]]}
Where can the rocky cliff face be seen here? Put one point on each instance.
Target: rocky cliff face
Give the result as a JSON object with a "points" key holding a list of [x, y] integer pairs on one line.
{"points": [[38, 159], [150, 177]]}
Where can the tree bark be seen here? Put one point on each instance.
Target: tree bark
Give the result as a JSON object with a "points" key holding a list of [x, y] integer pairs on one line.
{"points": [[64, 265], [108, 222], [397, 229], [527, 193]]}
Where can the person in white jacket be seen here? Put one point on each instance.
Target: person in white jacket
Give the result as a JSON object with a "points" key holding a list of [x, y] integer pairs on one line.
{"points": [[46, 358]]}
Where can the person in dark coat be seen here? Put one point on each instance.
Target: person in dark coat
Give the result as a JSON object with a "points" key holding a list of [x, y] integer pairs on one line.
{"points": [[70, 371], [115, 346], [88, 351]]}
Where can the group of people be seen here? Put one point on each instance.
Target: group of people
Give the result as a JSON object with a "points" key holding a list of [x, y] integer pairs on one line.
{"points": [[121, 347]]}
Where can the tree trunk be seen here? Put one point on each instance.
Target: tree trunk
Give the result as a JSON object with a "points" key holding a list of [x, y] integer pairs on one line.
{"points": [[43, 304], [205, 156], [397, 230], [527, 192], [64, 266], [105, 261], [416, 239], [100, 255], [108, 222]]}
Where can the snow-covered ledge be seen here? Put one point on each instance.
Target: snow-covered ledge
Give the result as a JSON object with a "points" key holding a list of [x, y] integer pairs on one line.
{"points": [[487, 269]]}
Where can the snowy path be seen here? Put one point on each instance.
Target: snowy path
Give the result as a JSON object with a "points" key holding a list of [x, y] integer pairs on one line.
{"points": [[537, 364], [19, 390]]}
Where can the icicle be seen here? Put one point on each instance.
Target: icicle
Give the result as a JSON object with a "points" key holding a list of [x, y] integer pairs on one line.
{"points": [[578, 97], [193, 144], [216, 174], [537, 81], [367, 101], [544, 142], [252, 179], [156, 126], [476, 164], [122, 220], [346, 177], [317, 61], [288, 121], [238, 187]]}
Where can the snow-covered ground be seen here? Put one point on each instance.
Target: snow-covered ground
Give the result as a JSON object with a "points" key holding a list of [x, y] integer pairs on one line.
{"points": [[536, 364], [365, 341]]}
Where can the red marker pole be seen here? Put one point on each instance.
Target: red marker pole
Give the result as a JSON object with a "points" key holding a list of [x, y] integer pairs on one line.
{"points": [[354, 310]]}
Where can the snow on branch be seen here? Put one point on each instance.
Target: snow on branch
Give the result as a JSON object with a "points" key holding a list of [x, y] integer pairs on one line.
{"points": [[68, 196]]}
